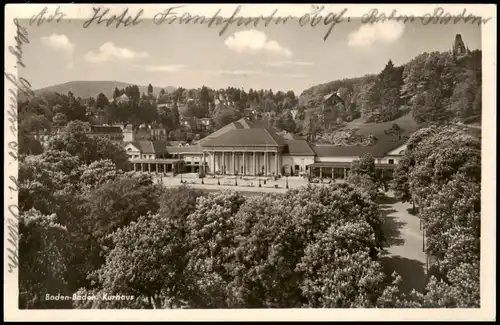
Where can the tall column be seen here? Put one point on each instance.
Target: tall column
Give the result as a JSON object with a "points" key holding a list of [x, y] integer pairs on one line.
{"points": [[276, 163], [203, 162], [135, 167], [244, 164], [223, 167], [234, 164], [266, 160], [213, 162], [321, 172], [254, 164], [333, 174], [345, 173], [149, 167]]}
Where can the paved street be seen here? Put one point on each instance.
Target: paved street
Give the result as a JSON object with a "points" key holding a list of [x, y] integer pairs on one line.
{"points": [[404, 247], [245, 184]]}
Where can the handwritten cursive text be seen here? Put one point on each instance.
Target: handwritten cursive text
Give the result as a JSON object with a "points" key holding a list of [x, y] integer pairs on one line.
{"points": [[44, 15], [124, 18], [19, 85]]}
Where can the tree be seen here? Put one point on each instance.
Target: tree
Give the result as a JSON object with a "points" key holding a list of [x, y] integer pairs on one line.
{"points": [[286, 122], [43, 259], [59, 120], [400, 184], [176, 118], [75, 140], [365, 165], [98, 173], [268, 248], [36, 124], [146, 111], [313, 123], [443, 168], [382, 99], [335, 277], [108, 150], [275, 238], [76, 111], [27, 144], [210, 235], [224, 116], [118, 202], [364, 183], [142, 263], [116, 93], [48, 183], [102, 101]]}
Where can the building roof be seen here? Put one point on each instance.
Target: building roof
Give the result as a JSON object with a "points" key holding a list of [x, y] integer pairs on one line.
{"points": [[143, 146], [175, 143], [159, 146], [185, 149], [380, 149], [106, 129], [246, 137], [299, 148], [290, 136]]}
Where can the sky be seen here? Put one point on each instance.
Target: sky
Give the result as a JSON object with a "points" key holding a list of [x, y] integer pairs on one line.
{"points": [[278, 57]]}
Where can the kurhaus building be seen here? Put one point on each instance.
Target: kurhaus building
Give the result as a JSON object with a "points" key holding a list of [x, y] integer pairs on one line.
{"points": [[249, 147]]}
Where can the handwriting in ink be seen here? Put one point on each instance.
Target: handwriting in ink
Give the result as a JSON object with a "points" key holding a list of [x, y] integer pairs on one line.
{"points": [[169, 16], [44, 15], [18, 85], [20, 38], [439, 16], [99, 17], [330, 19], [13, 235]]}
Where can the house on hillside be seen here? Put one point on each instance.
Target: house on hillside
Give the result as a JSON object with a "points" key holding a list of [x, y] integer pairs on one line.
{"points": [[128, 132], [332, 106], [113, 133], [150, 132], [121, 100]]}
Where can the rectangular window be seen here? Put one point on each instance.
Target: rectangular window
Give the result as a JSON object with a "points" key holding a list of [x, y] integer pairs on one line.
{"points": [[391, 161]]}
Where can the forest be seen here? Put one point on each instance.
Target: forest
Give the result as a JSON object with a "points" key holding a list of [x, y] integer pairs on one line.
{"points": [[433, 88]]}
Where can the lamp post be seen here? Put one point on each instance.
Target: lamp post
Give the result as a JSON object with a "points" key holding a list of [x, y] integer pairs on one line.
{"points": [[181, 177], [242, 173], [286, 177], [236, 180], [259, 181], [218, 181], [264, 175]]}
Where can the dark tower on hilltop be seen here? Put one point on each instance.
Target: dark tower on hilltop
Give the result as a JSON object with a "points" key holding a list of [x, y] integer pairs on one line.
{"points": [[459, 48], [150, 90]]}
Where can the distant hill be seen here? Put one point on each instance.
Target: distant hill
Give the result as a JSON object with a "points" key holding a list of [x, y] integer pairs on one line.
{"points": [[87, 89]]}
